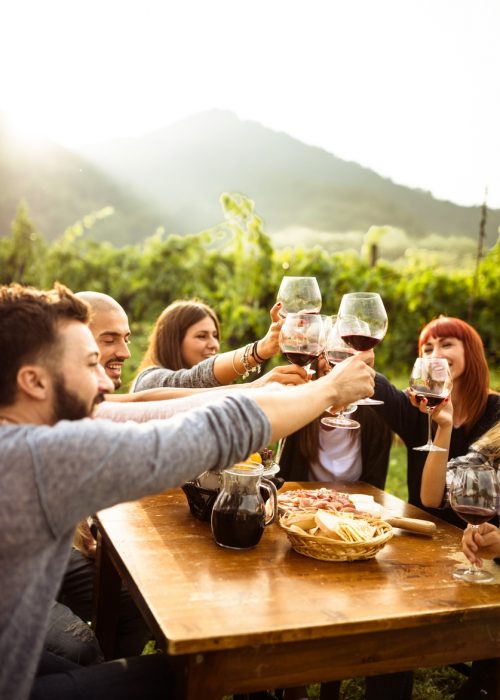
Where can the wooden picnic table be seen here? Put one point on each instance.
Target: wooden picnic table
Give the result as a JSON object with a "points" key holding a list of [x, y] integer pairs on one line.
{"points": [[267, 617]]}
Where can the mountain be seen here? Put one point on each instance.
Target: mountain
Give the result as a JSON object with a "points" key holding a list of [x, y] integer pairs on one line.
{"points": [[183, 169], [174, 178], [61, 188]]}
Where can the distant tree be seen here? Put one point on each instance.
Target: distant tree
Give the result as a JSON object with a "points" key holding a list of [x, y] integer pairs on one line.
{"points": [[21, 254], [479, 255]]}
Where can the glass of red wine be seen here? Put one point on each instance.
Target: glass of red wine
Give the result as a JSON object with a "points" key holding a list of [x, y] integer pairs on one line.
{"points": [[362, 320], [303, 338], [299, 294], [430, 380], [336, 350], [474, 494]]}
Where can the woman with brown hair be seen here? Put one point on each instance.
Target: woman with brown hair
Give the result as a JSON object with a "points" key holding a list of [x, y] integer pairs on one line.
{"points": [[183, 351], [318, 453]]}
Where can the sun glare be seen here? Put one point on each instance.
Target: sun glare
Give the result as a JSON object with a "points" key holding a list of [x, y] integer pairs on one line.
{"points": [[26, 130]]}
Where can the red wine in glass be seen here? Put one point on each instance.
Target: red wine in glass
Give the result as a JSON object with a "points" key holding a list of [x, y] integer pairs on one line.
{"points": [[433, 400], [300, 358], [361, 342], [362, 324], [474, 515], [430, 379], [336, 356], [303, 338], [474, 493]]}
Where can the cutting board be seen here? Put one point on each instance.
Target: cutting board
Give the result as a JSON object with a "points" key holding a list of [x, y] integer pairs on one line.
{"points": [[367, 504]]}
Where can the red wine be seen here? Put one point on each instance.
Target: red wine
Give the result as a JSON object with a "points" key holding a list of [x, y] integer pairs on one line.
{"points": [[361, 342], [300, 358], [473, 514], [238, 529], [336, 356], [433, 400]]}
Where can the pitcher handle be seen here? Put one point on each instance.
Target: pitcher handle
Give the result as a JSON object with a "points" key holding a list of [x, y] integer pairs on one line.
{"points": [[273, 498]]}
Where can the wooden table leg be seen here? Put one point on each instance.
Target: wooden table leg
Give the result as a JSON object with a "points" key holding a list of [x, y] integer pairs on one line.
{"points": [[195, 678], [107, 587]]}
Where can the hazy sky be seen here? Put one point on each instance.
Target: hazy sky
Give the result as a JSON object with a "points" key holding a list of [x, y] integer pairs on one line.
{"points": [[408, 88]]}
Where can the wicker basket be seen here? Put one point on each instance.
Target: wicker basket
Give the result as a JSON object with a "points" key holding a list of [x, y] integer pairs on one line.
{"points": [[328, 549], [200, 500]]}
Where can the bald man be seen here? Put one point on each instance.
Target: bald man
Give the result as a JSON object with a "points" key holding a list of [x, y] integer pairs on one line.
{"points": [[110, 328], [66, 637]]}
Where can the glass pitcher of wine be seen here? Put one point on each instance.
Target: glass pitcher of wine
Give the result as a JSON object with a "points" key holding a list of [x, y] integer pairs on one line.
{"points": [[239, 514]]}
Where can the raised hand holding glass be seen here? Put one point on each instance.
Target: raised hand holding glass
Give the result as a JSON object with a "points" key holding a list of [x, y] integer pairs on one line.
{"points": [[363, 323], [302, 338], [431, 381], [474, 494]]}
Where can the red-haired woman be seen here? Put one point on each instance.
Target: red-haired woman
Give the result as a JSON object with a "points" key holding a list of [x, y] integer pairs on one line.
{"points": [[475, 406]]}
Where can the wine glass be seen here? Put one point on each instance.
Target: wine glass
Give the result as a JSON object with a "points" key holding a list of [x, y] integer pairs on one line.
{"points": [[431, 380], [363, 323], [337, 350], [474, 493], [299, 294], [302, 338]]}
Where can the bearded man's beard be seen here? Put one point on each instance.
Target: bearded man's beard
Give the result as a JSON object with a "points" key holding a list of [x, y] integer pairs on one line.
{"points": [[68, 405]]}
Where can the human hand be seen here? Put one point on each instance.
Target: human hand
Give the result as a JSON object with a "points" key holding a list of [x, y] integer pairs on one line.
{"points": [[481, 543], [284, 374], [269, 345], [442, 414], [370, 358], [351, 380], [84, 540], [322, 366]]}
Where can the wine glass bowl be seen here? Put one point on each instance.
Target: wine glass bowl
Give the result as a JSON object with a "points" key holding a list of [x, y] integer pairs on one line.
{"points": [[302, 338], [363, 319], [430, 380], [474, 493], [299, 294]]}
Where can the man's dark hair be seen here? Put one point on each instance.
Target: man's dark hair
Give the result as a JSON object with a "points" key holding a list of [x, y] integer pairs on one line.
{"points": [[29, 321]]}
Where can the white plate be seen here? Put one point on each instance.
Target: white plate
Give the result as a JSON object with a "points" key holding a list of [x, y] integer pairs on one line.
{"points": [[271, 471]]}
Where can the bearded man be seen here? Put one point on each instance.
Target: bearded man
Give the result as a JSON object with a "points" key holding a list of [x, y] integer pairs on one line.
{"points": [[56, 467]]}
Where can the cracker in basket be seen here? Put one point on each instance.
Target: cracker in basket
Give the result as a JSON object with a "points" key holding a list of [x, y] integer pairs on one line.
{"points": [[344, 528]]}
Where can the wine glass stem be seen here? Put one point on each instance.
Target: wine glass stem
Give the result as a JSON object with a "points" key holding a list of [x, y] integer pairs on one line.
{"points": [[472, 567], [429, 428]]}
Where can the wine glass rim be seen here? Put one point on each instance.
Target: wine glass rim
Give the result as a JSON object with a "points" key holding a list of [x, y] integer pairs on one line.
{"points": [[362, 295], [297, 277], [433, 359]]}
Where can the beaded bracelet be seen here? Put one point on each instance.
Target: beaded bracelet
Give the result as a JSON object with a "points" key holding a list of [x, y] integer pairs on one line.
{"points": [[258, 359], [246, 364], [244, 361]]}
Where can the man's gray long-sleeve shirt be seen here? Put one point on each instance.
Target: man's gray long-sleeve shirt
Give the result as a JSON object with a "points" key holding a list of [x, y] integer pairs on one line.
{"points": [[52, 477]]}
